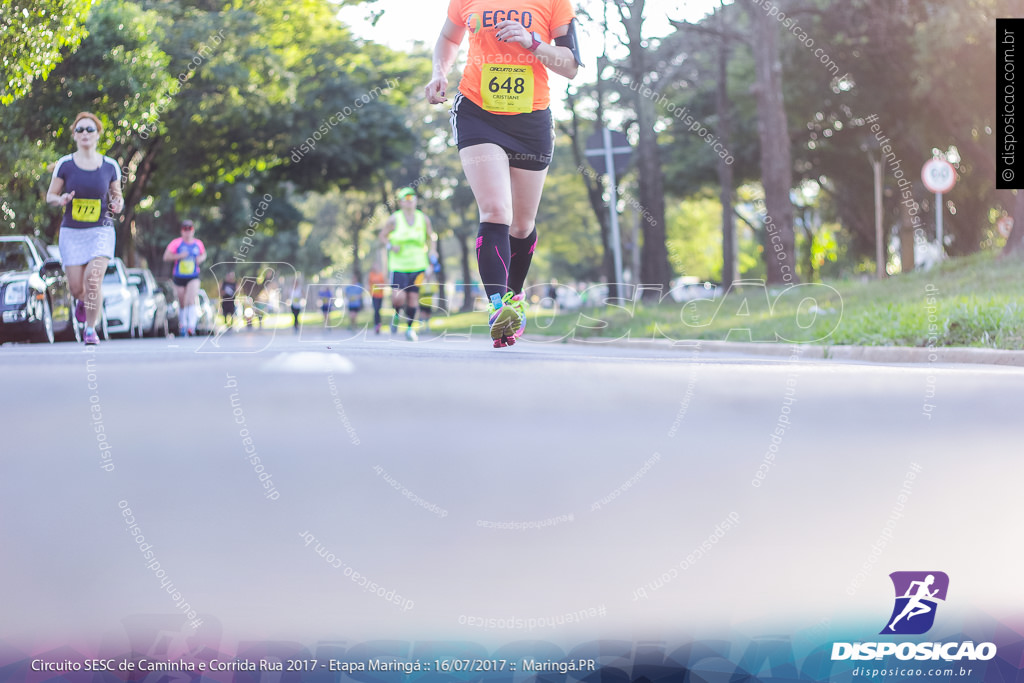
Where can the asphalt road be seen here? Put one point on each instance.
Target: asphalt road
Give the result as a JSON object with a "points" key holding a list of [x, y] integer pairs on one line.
{"points": [[445, 489]]}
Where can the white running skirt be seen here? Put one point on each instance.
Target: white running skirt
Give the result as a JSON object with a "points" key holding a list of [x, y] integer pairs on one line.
{"points": [[78, 246]]}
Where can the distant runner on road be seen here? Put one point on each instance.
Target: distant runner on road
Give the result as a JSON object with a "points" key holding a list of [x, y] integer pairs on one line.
{"points": [[410, 241], [187, 253]]}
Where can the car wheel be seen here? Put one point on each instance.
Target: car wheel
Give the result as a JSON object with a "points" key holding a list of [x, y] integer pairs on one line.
{"points": [[166, 329], [73, 331], [77, 330], [44, 335]]}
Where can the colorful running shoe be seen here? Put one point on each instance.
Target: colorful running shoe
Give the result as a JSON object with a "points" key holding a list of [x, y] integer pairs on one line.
{"points": [[503, 320], [411, 335], [91, 338], [518, 303], [80, 311]]}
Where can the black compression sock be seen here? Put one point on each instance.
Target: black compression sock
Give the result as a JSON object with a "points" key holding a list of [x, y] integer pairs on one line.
{"points": [[519, 264], [492, 257]]}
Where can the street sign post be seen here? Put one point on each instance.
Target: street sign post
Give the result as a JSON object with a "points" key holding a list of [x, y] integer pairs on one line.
{"points": [[938, 176], [609, 152]]}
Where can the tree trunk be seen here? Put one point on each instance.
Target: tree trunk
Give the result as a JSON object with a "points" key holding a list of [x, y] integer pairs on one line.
{"points": [[654, 267], [126, 226], [776, 161], [906, 242], [723, 108], [595, 194], [808, 229]]}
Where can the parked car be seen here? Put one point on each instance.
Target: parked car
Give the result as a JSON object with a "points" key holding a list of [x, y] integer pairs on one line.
{"points": [[120, 301], [207, 322], [35, 303], [152, 302], [172, 305], [689, 288]]}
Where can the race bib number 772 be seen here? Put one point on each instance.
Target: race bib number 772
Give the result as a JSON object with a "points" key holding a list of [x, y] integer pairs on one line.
{"points": [[85, 210]]}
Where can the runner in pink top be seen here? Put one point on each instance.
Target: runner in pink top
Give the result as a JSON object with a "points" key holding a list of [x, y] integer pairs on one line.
{"points": [[187, 253]]}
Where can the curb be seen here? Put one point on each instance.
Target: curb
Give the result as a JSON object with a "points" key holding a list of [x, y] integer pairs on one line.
{"points": [[869, 354]]}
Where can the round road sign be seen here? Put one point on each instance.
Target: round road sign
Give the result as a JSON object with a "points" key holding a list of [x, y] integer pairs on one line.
{"points": [[938, 175], [1005, 225]]}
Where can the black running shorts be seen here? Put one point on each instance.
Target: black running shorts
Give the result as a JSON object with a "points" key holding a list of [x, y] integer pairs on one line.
{"points": [[405, 282], [528, 139]]}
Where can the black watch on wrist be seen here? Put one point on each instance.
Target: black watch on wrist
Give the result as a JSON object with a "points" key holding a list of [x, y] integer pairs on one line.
{"points": [[536, 41]]}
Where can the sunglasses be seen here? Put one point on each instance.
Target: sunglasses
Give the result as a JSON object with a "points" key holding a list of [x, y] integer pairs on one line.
{"points": [[85, 129]]}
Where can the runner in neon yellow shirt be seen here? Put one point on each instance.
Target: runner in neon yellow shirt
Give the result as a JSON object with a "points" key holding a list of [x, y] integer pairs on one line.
{"points": [[411, 243]]}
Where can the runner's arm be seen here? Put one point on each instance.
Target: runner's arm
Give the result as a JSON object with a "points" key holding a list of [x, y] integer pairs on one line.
{"points": [[431, 238], [445, 51], [385, 231], [558, 59], [170, 253], [116, 198], [55, 193]]}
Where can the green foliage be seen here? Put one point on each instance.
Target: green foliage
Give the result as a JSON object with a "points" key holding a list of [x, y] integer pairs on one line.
{"points": [[34, 36], [205, 105], [694, 247], [116, 73], [569, 246]]}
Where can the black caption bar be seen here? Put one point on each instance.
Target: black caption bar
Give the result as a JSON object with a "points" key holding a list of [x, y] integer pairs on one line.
{"points": [[1009, 138]]}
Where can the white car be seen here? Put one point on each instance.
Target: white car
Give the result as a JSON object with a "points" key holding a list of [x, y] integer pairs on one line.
{"points": [[690, 288], [121, 301], [152, 302]]}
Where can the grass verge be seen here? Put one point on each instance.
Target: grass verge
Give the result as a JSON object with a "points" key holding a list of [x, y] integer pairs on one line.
{"points": [[974, 301]]}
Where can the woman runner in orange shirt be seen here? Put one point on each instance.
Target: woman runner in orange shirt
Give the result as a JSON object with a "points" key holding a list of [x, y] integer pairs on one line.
{"points": [[503, 129]]}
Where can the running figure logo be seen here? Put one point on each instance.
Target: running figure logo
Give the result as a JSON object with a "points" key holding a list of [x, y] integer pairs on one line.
{"points": [[917, 596]]}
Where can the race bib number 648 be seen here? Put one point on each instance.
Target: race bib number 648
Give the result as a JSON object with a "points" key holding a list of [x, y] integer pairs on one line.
{"points": [[507, 88]]}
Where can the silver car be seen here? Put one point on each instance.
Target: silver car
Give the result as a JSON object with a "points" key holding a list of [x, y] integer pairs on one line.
{"points": [[152, 302], [120, 301]]}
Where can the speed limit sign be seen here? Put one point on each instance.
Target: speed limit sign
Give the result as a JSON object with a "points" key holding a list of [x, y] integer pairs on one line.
{"points": [[938, 175]]}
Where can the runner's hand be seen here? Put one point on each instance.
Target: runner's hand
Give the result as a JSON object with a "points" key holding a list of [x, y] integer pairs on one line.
{"points": [[67, 197], [436, 89], [511, 31]]}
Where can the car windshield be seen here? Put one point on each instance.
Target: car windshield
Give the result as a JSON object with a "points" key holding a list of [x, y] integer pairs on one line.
{"points": [[14, 256], [138, 282]]}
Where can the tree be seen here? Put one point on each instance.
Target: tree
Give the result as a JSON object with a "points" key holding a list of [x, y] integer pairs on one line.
{"points": [[711, 45], [776, 159], [118, 73], [644, 89], [595, 189], [34, 36]]}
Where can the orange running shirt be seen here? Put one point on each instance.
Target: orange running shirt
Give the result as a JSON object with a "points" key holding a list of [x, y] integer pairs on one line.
{"points": [[378, 284], [504, 62]]}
